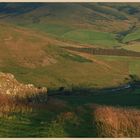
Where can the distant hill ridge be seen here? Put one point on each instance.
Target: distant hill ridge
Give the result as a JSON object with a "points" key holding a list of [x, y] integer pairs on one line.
{"points": [[79, 14]]}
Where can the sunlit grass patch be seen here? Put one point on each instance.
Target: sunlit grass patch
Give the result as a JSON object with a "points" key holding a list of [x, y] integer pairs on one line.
{"points": [[117, 121]]}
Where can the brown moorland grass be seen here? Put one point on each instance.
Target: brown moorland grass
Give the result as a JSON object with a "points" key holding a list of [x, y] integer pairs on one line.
{"points": [[9, 104], [117, 121]]}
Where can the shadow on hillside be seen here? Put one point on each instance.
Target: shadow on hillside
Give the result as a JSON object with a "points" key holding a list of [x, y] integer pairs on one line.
{"points": [[125, 95], [66, 112]]}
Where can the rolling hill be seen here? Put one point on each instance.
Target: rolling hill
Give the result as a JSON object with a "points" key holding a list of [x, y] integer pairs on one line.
{"points": [[39, 59], [33, 34], [116, 21], [87, 55]]}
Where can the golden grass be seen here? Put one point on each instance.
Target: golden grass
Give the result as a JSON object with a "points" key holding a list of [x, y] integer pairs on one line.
{"points": [[9, 104], [24, 47], [117, 122]]}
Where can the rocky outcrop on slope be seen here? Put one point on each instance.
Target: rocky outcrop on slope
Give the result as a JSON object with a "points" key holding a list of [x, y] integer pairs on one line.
{"points": [[10, 86]]}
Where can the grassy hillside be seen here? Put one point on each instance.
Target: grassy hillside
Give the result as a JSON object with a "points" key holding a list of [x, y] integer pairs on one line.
{"points": [[107, 21], [46, 63], [83, 36], [23, 47], [83, 96], [134, 36], [92, 37], [134, 46], [41, 60]]}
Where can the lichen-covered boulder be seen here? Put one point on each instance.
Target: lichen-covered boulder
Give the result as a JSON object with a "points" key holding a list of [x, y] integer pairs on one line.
{"points": [[10, 86]]}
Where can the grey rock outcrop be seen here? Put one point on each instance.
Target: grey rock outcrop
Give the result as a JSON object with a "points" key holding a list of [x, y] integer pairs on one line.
{"points": [[10, 86]]}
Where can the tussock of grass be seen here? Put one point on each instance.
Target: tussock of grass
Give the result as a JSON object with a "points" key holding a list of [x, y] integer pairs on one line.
{"points": [[117, 122], [9, 105]]}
